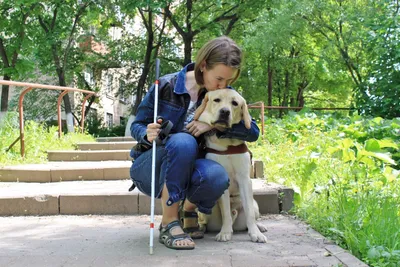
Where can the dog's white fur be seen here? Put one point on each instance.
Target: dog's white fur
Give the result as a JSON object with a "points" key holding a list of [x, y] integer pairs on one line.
{"points": [[236, 209]]}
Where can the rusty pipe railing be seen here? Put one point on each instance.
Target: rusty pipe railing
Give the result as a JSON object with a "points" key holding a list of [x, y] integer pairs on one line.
{"points": [[31, 86], [259, 105]]}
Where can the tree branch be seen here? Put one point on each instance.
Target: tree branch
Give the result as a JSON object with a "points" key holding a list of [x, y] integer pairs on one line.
{"points": [[43, 24], [3, 54], [158, 44], [21, 35], [144, 19], [174, 22], [222, 17], [76, 20], [201, 12], [53, 21], [231, 24]]}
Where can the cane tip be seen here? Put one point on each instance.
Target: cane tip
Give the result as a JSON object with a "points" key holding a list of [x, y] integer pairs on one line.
{"points": [[151, 250]]}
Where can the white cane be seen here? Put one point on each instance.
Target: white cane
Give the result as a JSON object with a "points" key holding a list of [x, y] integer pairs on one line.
{"points": [[153, 164]]}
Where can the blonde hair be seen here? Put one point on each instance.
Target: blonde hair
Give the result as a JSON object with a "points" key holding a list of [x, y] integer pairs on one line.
{"points": [[221, 50]]}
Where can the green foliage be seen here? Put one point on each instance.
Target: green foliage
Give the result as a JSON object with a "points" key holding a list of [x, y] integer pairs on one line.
{"points": [[380, 92], [345, 172], [38, 139], [312, 53], [96, 128]]}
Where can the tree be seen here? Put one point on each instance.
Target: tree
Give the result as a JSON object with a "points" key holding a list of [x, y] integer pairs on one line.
{"points": [[289, 63], [153, 44], [60, 24], [379, 94], [190, 18], [13, 42]]}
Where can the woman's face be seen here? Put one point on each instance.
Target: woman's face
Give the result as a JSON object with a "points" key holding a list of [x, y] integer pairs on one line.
{"points": [[219, 77]]}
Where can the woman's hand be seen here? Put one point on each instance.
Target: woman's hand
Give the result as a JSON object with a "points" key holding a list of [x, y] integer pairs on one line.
{"points": [[196, 128], [153, 129]]}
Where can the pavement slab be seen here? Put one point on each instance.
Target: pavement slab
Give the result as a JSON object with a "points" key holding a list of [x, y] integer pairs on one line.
{"points": [[124, 241]]}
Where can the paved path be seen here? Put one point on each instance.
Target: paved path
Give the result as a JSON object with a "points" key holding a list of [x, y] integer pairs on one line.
{"points": [[123, 241]]}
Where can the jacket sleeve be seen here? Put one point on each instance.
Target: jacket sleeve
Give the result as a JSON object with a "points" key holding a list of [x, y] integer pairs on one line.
{"points": [[239, 131], [144, 117]]}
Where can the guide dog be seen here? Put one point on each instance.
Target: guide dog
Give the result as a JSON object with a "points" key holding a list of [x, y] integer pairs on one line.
{"points": [[236, 209]]}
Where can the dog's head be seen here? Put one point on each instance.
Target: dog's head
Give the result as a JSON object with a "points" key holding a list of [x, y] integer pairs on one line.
{"points": [[223, 108]]}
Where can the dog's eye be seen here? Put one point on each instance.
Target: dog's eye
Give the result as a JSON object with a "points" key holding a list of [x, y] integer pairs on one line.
{"points": [[217, 100], [235, 103]]}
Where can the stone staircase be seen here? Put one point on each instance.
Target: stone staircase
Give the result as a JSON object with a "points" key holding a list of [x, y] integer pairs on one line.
{"points": [[94, 179]]}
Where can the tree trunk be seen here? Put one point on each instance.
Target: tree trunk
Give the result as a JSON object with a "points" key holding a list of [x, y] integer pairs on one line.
{"points": [[286, 92], [67, 104], [146, 66], [188, 49], [300, 93], [270, 76], [5, 89]]}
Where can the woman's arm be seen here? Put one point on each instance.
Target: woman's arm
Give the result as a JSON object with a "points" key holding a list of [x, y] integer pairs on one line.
{"points": [[144, 117]]}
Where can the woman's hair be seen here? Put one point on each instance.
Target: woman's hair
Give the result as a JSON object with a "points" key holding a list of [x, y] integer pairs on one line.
{"points": [[221, 50]]}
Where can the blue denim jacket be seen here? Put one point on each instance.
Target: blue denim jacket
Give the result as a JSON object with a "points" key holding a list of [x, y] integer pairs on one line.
{"points": [[173, 103]]}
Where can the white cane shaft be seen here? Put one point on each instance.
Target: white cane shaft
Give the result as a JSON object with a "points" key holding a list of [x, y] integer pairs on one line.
{"points": [[153, 172]]}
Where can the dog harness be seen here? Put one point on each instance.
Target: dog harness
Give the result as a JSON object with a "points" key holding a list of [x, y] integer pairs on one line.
{"points": [[231, 150]]}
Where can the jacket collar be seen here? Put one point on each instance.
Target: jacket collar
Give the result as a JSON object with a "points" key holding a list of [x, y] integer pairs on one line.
{"points": [[179, 87]]}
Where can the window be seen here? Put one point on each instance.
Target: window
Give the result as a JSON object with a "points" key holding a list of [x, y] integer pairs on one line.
{"points": [[109, 83], [122, 121], [122, 92], [88, 76], [109, 120]]}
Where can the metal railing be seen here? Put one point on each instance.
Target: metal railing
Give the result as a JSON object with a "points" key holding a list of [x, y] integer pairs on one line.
{"points": [[260, 105], [31, 86]]}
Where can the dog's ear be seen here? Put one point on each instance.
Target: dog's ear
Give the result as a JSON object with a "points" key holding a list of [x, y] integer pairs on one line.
{"points": [[246, 116], [201, 108]]}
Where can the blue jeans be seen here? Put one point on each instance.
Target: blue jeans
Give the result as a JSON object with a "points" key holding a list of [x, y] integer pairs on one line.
{"points": [[201, 181]]}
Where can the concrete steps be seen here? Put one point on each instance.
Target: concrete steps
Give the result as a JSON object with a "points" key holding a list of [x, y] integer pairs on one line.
{"points": [[88, 155], [58, 171], [108, 197], [115, 139], [127, 145], [66, 171], [94, 180]]}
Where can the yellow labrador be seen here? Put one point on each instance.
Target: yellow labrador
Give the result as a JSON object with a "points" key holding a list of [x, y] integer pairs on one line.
{"points": [[236, 209]]}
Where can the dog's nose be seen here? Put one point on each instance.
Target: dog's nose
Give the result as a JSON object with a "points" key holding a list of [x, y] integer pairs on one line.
{"points": [[224, 113]]}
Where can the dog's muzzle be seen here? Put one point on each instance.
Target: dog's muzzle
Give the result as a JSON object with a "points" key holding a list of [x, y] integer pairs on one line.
{"points": [[224, 114], [223, 118]]}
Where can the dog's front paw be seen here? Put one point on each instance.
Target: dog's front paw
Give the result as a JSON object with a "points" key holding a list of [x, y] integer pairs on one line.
{"points": [[224, 236], [257, 236]]}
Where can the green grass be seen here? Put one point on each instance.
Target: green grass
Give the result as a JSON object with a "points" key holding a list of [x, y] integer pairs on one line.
{"points": [[38, 140], [345, 173]]}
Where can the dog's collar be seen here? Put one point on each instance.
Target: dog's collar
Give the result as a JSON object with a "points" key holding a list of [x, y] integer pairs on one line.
{"points": [[231, 150]]}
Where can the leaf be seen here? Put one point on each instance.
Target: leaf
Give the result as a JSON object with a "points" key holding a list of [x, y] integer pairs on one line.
{"points": [[373, 253], [348, 155], [388, 143], [385, 157], [372, 145], [347, 143]]}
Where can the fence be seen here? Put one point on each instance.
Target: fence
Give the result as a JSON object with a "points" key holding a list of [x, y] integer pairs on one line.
{"points": [[31, 86], [260, 105]]}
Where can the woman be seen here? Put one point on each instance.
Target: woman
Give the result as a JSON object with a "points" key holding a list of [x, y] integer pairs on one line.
{"points": [[180, 173]]}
